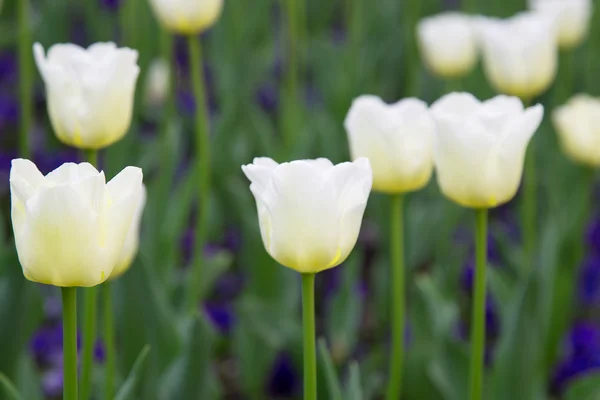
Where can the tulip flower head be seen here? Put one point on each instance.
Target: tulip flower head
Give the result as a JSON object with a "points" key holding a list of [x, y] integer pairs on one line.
{"points": [[397, 139], [187, 17], [520, 54], [578, 127], [480, 147], [448, 44], [70, 226], [572, 18], [132, 240], [157, 83], [90, 91], [309, 211]]}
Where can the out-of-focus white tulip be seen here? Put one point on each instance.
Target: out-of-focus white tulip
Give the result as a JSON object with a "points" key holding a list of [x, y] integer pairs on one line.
{"points": [[70, 226], [480, 147], [132, 241], [397, 139], [309, 211], [448, 44], [158, 83], [520, 54], [572, 18], [187, 17], [90, 91], [578, 127]]}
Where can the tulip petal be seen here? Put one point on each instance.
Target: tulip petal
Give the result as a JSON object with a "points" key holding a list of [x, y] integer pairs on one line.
{"points": [[461, 104]]}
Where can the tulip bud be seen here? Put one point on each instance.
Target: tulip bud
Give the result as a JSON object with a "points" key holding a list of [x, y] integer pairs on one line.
{"points": [[187, 17], [572, 18], [309, 211], [520, 54], [578, 127], [132, 240], [89, 92], [70, 226], [157, 83], [448, 44], [397, 139], [480, 147]]}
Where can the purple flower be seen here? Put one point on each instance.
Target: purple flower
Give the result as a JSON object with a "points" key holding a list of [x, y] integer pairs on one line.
{"points": [[99, 351], [8, 69], [221, 315], [284, 378], [46, 343], [52, 382], [589, 281], [111, 5], [582, 355], [267, 97], [593, 235], [9, 110]]}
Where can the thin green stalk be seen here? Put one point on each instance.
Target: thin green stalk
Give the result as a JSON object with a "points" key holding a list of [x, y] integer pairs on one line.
{"points": [[566, 78], [478, 308], [89, 321], [289, 115], [203, 165], [529, 206], [69, 298], [109, 342], [411, 13], [398, 271], [25, 77], [308, 325]]}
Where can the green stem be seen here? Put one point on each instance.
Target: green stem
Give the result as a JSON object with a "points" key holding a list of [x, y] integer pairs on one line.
{"points": [[25, 77], [411, 14], [310, 351], [478, 308], [109, 341], [529, 206], [89, 338], [69, 297], [89, 320], [289, 109], [566, 80], [203, 166], [398, 272]]}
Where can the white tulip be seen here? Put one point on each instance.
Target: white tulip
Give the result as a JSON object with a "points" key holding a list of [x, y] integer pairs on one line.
{"points": [[578, 126], [448, 44], [70, 226], [480, 147], [397, 139], [572, 18], [90, 91], [309, 211], [520, 54], [132, 241], [187, 17], [158, 83]]}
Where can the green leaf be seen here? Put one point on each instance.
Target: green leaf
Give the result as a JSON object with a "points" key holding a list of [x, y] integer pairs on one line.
{"points": [[189, 376], [128, 388], [450, 371], [9, 388], [354, 390], [333, 383], [585, 388]]}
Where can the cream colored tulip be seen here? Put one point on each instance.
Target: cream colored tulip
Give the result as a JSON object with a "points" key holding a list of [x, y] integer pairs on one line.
{"points": [[572, 17], [480, 147], [187, 17], [578, 127], [448, 44], [70, 226], [309, 211], [158, 83], [132, 241], [397, 139], [520, 54], [90, 92]]}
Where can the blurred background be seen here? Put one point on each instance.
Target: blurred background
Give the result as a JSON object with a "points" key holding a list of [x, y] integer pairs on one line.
{"points": [[543, 326]]}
